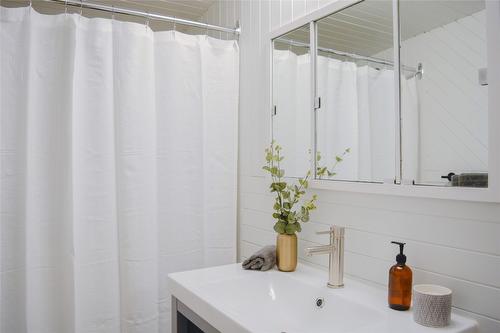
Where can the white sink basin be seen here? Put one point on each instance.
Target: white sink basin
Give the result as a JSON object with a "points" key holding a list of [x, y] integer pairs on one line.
{"points": [[234, 300]]}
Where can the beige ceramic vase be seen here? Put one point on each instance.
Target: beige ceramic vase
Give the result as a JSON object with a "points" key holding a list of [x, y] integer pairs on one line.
{"points": [[286, 252]]}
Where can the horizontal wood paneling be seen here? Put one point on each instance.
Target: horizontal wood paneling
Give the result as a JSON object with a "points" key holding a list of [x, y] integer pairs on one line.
{"points": [[481, 268], [453, 243]]}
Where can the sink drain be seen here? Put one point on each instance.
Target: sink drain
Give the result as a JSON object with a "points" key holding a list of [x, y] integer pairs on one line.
{"points": [[320, 302]]}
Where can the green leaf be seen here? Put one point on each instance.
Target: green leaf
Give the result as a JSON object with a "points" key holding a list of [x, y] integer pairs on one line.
{"points": [[290, 229], [321, 171], [310, 205], [279, 227], [338, 158], [304, 214], [278, 186], [305, 217], [277, 206], [276, 215]]}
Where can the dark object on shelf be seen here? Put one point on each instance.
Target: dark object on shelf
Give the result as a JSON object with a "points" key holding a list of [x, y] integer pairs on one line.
{"points": [[470, 180], [449, 176]]}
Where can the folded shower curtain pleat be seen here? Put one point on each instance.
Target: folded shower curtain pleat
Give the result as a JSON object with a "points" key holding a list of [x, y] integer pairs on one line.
{"points": [[118, 151]]}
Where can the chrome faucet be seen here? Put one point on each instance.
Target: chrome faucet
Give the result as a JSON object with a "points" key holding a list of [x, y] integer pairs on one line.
{"points": [[336, 252]]}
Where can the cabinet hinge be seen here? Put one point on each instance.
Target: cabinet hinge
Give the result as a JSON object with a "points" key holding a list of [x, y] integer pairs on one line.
{"points": [[317, 103]]}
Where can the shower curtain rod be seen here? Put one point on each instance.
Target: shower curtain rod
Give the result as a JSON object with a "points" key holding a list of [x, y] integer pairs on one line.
{"points": [[418, 71], [145, 15]]}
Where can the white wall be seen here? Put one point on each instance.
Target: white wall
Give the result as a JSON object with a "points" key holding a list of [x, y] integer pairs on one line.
{"points": [[453, 243]]}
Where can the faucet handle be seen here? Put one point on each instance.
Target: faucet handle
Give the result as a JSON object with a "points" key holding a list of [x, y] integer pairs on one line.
{"points": [[334, 229]]}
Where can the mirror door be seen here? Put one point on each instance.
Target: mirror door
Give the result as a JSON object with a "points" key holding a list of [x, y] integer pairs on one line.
{"points": [[445, 108], [291, 111], [356, 132]]}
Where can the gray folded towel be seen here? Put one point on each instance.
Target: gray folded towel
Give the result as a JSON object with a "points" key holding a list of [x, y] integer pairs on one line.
{"points": [[263, 260]]}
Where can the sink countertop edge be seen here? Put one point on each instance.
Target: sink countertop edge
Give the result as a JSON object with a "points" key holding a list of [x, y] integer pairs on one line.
{"points": [[207, 311]]}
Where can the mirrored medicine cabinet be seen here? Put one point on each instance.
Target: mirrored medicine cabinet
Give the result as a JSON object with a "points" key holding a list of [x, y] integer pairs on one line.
{"points": [[390, 97]]}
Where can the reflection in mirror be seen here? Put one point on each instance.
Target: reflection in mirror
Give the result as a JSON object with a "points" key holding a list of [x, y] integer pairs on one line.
{"points": [[448, 115], [355, 82], [291, 121]]}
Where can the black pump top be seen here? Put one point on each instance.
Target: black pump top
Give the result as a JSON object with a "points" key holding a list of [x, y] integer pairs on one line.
{"points": [[400, 258]]}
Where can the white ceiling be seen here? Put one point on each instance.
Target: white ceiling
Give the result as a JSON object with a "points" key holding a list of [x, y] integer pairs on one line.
{"points": [[187, 9], [366, 28]]}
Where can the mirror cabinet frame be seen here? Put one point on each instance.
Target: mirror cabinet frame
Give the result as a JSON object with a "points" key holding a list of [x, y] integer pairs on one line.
{"points": [[403, 187]]}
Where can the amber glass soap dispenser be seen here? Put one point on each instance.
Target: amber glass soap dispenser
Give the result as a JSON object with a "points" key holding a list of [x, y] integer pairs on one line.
{"points": [[400, 282]]}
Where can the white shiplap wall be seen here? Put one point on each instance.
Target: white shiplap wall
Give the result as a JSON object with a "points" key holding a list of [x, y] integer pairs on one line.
{"points": [[453, 243]]}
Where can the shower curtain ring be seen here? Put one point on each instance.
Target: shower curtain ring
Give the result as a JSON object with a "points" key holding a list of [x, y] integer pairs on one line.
{"points": [[147, 20], [175, 23], [81, 7], [65, 6], [113, 12]]}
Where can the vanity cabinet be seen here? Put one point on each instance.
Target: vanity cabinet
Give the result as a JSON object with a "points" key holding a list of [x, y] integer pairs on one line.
{"points": [[185, 320]]}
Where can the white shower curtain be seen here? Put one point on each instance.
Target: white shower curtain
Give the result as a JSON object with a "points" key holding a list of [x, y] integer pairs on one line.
{"points": [[357, 112], [118, 166]]}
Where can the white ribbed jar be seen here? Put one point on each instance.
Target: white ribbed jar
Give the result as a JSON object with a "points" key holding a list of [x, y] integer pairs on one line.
{"points": [[431, 305]]}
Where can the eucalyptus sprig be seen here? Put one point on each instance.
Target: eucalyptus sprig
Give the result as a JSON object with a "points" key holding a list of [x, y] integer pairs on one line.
{"points": [[287, 196], [322, 171]]}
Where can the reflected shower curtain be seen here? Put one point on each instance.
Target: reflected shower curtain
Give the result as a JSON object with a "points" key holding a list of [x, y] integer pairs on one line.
{"points": [[118, 166], [357, 112], [292, 122]]}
